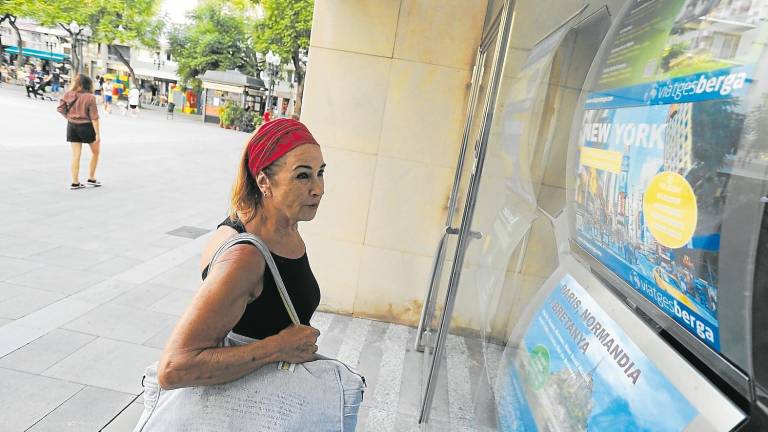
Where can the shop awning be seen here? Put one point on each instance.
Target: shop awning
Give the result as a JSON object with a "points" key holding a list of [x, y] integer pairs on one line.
{"points": [[156, 74], [229, 80], [29, 52]]}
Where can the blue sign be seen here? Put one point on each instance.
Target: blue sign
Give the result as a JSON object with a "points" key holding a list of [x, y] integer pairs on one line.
{"points": [[718, 84]]}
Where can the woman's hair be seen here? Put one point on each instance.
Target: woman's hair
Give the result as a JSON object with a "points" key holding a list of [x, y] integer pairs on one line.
{"points": [[246, 195], [82, 84]]}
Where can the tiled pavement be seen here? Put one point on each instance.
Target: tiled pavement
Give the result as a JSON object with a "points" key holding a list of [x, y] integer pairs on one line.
{"points": [[91, 283]]}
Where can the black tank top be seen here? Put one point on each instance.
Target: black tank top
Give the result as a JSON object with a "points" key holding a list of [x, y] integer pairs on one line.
{"points": [[266, 316]]}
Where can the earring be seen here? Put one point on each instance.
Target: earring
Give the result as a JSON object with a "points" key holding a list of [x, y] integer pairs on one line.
{"points": [[266, 194]]}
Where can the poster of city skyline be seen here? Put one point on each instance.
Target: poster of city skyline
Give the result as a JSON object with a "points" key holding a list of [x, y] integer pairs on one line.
{"points": [[662, 121], [632, 146]]}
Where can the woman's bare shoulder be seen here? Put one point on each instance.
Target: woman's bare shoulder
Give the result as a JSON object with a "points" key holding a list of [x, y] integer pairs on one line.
{"points": [[222, 234]]}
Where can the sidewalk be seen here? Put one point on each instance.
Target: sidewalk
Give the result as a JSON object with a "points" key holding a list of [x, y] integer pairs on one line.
{"points": [[93, 280]]}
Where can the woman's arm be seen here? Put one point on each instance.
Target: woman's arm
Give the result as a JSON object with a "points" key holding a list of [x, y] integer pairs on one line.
{"points": [[96, 129], [191, 356], [222, 234]]}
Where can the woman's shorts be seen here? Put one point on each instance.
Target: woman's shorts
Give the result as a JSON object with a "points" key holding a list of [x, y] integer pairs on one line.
{"points": [[97, 92], [81, 132], [108, 98], [134, 106]]}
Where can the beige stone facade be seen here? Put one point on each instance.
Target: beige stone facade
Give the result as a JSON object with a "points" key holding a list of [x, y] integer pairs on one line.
{"points": [[386, 95]]}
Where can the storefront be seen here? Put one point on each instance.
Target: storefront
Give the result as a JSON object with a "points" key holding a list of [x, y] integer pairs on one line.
{"points": [[600, 261], [222, 86], [611, 245]]}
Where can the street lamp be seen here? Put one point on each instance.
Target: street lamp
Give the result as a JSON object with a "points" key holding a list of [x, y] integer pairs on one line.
{"points": [[273, 70], [50, 43], [79, 36]]}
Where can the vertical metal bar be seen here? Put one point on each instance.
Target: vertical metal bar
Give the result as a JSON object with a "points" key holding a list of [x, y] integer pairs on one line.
{"points": [[466, 223], [428, 308], [477, 74]]}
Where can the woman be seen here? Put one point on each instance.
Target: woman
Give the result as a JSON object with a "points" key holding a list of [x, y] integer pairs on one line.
{"points": [[78, 105], [97, 88], [279, 184]]}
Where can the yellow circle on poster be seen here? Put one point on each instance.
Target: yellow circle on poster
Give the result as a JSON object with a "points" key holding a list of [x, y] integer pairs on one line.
{"points": [[669, 206]]}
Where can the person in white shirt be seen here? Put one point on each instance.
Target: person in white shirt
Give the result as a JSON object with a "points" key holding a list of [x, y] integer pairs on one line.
{"points": [[133, 100], [106, 90]]}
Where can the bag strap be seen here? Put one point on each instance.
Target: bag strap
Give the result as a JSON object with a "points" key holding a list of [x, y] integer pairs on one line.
{"points": [[259, 243], [68, 106]]}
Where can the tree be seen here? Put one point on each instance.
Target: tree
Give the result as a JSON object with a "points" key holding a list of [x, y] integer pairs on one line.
{"points": [[132, 22], [218, 38], [285, 30], [112, 23], [11, 10]]}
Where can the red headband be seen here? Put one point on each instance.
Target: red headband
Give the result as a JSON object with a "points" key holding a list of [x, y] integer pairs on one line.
{"points": [[274, 139]]}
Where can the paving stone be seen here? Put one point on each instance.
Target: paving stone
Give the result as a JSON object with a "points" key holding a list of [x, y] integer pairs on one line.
{"points": [[104, 291], [188, 232], [127, 419], [27, 398], [174, 303], [69, 257], [142, 296], [107, 363], [114, 265], [10, 267], [25, 330], [45, 351], [186, 276], [58, 279], [8, 291], [23, 248], [29, 301], [121, 323], [160, 338], [88, 410]]}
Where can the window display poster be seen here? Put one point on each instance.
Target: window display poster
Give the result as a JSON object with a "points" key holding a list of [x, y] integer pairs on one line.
{"points": [[654, 155], [576, 370], [649, 201], [667, 51]]}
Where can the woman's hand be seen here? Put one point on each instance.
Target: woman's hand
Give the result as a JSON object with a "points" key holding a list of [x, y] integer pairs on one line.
{"points": [[298, 344]]}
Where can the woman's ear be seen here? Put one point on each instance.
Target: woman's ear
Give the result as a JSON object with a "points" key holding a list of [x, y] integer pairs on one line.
{"points": [[262, 181]]}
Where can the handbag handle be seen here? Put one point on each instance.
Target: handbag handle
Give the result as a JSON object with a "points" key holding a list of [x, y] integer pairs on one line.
{"points": [[259, 243]]}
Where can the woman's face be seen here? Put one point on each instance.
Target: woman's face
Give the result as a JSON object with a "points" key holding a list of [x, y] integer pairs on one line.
{"points": [[297, 185]]}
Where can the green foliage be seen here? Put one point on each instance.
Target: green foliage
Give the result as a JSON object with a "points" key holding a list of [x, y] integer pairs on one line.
{"points": [[127, 22], [16, 8], [226, 113], [672, 53], [286, 27], [218, 38], [137, 18], [285, 30], [232, 116], [10, 10]]}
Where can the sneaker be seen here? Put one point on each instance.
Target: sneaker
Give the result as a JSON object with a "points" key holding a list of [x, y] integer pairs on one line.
{"points": [[76, 186], [93, 182]]}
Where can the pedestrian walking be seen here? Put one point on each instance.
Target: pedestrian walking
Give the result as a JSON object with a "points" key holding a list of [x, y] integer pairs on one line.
{"points": [[107, 91], [98, 84], [133, 100], [31, 84], [56, 82], [78, 106], [153, 89]]}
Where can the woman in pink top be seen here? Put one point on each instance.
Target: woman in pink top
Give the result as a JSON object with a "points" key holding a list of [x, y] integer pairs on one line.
{"points": [[78, 105]]}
